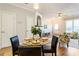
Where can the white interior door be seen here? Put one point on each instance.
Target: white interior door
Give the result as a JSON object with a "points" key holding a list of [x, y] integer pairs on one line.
{"points": [[20, 26], [0, 29], [8, 27]]}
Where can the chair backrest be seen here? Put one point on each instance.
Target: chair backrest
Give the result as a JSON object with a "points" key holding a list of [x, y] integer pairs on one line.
{"points": [[15, 43], [29, 51], [54, 42]]}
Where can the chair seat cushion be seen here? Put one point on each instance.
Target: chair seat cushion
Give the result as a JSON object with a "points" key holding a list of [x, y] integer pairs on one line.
{"points": [[47, 49]]}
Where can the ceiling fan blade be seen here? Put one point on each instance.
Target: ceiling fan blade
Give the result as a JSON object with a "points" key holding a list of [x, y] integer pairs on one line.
{"points": [[26, 3]]}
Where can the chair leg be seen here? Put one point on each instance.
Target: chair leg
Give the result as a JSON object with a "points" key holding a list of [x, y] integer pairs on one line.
{"points": [[67, 44], [43, 53], [59, 44], [13, 54], [55, 53], [52, 54]]}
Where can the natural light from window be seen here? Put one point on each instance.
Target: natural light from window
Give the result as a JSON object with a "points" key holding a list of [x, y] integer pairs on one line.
{"points": [[72, 26]]}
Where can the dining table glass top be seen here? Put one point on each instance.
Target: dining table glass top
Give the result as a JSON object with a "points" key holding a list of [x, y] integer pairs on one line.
{"points": [[35, 42]]}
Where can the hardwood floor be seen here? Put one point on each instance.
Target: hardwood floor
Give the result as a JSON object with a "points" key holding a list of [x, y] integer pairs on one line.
{"points": [[6, 51], [68, 51], [61, 51]]}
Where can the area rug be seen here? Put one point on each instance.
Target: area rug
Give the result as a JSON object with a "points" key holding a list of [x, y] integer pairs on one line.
{"points": [[74, 43]]}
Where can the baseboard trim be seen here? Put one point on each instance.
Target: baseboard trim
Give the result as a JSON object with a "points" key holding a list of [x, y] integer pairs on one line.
{"points": [[5, 47]]}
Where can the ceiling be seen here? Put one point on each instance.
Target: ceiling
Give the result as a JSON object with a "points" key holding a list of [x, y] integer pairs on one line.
{"points": [[50, 10]]}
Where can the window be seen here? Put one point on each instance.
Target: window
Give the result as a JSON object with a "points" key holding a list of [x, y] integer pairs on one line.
{"points": [[72, 26], [69, 26], [76, 26]]}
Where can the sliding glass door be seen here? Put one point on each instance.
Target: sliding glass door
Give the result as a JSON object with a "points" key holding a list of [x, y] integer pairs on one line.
{"points": [[69, 27], [72, 26], [76, 26]]}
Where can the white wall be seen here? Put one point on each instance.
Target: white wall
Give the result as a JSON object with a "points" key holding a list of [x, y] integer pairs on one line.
{"points": [[52, 21], [24, 21]]}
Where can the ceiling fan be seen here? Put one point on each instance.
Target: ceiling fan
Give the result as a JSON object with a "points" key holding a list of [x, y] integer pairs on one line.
{"points": [[26, 3], [60, 15]]}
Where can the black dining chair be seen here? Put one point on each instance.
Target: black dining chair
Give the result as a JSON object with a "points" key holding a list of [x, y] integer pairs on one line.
{"points": [[15, 43], [29, 51], [51, 49]]}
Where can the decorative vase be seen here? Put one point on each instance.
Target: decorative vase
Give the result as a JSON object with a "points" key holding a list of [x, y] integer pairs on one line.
{"points": [[36, 36]]}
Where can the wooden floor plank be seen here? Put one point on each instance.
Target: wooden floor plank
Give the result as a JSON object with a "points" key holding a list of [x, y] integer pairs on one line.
{"points": [[61, 51]]}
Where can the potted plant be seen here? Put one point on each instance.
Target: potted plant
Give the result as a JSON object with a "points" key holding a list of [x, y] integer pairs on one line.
{"points": [[36, 30], [75, 35], [39, 31], [65, 35], [64, 38]]}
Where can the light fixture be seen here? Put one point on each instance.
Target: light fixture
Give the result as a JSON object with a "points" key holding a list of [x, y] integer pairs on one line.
{"points": [[36, 6], [60, 15]]}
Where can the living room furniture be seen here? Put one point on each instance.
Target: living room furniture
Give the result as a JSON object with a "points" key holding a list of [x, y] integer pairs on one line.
{"points": [[64, 40], [51, 49]]}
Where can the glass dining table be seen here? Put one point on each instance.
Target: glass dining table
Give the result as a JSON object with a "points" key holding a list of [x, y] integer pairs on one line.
{"points": [[32, 47], [31, 42]]}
